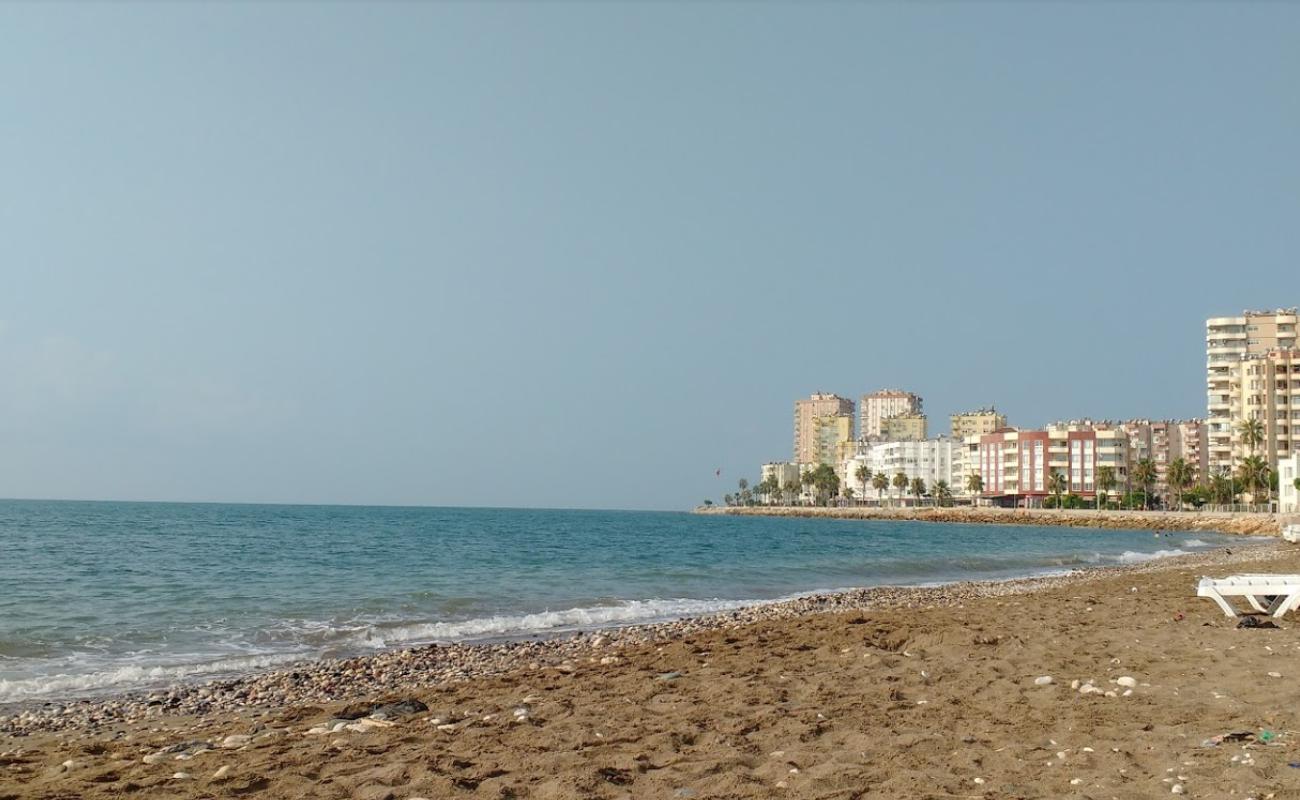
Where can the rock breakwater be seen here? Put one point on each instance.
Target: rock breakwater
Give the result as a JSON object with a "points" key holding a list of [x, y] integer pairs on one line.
{"points": [[1246, 524]]}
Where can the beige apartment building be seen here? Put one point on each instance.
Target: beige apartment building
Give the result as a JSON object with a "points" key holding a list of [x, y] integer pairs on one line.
{"points": [[977, 423], [1267, 388], [904, 428], [823, 429], [1166, 441], [880, 406], [1250, 370]]}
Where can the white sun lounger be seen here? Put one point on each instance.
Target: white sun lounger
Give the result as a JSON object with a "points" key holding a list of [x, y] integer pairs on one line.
{"points": [[1270, 594]]}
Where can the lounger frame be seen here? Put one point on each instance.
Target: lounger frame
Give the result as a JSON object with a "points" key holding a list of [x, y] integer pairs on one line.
{"points": [[1267, 594]]}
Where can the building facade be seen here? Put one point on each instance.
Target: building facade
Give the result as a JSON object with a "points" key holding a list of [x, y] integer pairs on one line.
{"points": [[977, 423], [880, 406], [1166, 441], [904, 427], [1016, 466], [931, 460], [1249, 371], [785, 472], [1288, 471], [823, 429], [1267, 388]]}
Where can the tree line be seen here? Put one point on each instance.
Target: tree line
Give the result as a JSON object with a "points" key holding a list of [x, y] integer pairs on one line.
{"points": [[1252, 476]]}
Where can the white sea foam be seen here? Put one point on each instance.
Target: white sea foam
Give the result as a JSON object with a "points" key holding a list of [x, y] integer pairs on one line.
{"points": [[314, 638], [1134, 557], [628, 613], [132, 676]]}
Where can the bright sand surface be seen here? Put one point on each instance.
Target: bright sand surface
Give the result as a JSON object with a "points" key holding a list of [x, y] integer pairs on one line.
{"points": [[921, 693]]}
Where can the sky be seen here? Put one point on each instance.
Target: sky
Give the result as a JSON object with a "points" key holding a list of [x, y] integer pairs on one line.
{"points": [[584, 255]]}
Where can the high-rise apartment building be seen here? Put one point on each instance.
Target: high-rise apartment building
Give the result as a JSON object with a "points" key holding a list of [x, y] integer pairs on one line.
{"points": [[1192, 437], [823, 429], [880, 406], [1166, 441], [1267, 388], [977, 423], [903, 427], [1251, 373]]}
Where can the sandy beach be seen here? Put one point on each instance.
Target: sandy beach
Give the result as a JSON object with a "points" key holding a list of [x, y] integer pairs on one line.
{"points": [[924, 692]]}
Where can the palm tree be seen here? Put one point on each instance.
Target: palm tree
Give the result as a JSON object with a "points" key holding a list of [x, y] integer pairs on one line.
{"points": [[900, 482], [880, 481], [1253, 473], [941, 492], [792, 490], [1221, 488], [808, 479], [826, 481], [848, 493], [1252, 436], [863, 474], [1144, 472], [1252, 433], [1179, 476], [726, 498], [1105, 482], [974, 485], [918, 489], [1056, 485]]}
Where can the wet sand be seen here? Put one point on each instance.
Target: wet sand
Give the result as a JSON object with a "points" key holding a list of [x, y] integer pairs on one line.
{"points": [[919, 693]]}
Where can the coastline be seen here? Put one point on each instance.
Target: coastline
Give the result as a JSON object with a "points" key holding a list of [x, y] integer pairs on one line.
{"points": [[923, 692], [1247, 524], [429, 666]]}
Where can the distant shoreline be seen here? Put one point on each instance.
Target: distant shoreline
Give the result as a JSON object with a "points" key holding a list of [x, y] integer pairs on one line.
{"points": [[1246, 524]]}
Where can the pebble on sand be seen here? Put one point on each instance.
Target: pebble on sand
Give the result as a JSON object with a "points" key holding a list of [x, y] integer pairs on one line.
{"points": [[1128, 682], [1045, 680]]}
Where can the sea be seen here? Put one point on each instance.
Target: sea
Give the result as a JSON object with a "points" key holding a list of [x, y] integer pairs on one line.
{"points": [[100, 597]]}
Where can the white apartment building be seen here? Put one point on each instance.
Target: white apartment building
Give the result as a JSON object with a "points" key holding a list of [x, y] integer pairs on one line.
{"points": [[931, 460], [785, 472], [1288, 470]]}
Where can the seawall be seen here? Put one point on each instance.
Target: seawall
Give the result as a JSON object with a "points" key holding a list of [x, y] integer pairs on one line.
{"points": [[1252, 524]]}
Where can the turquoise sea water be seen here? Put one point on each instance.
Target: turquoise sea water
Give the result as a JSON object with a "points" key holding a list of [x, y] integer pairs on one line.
{"points": [[110, 596]]}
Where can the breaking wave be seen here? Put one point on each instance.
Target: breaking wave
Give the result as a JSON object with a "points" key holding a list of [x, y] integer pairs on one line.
{"points": [[133, 676]]}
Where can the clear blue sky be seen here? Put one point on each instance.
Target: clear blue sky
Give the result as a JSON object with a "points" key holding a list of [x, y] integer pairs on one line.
{"points": [[584, 255]]}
